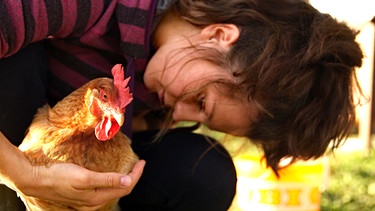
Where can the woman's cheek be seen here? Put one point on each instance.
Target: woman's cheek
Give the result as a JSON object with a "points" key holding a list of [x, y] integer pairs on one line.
{"points": [[150, 77]]}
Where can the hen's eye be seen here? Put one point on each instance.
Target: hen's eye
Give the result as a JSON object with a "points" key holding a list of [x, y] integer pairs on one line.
{"points": [[103, 95]]}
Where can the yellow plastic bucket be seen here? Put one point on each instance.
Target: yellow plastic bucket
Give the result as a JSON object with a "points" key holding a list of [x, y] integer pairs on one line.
{"points": [[298, 188]]}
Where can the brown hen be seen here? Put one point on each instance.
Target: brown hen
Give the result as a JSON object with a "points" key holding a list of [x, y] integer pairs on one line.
{"points": [[83, 128]]}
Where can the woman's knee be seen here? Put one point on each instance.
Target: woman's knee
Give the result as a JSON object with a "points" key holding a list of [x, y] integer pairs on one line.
{"points": [[184, 171]]}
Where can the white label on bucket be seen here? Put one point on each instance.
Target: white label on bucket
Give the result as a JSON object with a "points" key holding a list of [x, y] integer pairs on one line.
{"points": [[255, 194]]}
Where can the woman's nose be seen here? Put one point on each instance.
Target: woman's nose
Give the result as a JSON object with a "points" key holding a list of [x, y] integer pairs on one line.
{"points": [[187, 112]]}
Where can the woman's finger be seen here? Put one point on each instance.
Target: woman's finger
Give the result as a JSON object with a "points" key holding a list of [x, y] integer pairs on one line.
{"points": [[112, 180]]}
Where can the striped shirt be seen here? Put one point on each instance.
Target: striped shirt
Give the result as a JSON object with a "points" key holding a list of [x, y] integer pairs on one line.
{"points": [[84, 40]]}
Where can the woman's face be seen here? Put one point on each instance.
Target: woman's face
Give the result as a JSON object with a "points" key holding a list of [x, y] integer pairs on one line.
{"points": [[183, 82]]}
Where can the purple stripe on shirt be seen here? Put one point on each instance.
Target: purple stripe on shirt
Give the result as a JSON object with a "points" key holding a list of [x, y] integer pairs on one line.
{"points": [[12, 35], [68, 21], [141, 4], [133, 34], [75, 63], [39, 12], [66, 74]]}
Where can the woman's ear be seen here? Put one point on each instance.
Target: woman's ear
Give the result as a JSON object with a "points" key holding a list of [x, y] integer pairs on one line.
{"points": [[222, 34]]}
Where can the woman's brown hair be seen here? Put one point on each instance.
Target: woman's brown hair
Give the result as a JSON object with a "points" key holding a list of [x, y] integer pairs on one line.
{"points": [[296, 64]]}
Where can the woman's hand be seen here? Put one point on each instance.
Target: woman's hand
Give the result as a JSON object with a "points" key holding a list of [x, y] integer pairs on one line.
{"points": [[69, 184], [80, 188]]}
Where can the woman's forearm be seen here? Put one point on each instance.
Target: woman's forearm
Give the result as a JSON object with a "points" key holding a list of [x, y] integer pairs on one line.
{"points": [[21, 24], [13, 164]]}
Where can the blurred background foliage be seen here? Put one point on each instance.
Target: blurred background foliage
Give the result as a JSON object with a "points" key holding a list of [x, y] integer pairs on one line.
{"points": [[349, 184]]}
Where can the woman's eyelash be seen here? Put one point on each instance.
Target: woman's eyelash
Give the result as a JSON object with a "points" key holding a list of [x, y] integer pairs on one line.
{"points": [[201, 102]]}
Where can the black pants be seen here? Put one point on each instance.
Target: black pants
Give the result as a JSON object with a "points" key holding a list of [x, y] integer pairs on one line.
{"points": [[184, 171]]}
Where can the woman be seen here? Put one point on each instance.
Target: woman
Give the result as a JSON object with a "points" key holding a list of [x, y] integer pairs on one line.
{"points": [[278, 72]]}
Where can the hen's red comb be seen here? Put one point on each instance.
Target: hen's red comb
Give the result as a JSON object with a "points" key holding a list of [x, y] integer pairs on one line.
{"points": [[118, 79]]}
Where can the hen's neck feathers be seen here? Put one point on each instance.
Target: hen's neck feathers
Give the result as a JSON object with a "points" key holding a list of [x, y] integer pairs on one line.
{"points": [[73, 112]]}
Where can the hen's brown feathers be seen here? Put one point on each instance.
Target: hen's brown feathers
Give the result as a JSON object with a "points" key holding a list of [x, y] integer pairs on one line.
{"points": [[66, 133], [72, 111]]}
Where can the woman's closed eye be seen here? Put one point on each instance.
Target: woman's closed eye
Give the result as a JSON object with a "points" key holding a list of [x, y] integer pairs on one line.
{"points": [[201, 103]]}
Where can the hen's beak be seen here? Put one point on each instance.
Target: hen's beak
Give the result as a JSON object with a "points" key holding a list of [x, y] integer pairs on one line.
{"points": [[119, 117]]}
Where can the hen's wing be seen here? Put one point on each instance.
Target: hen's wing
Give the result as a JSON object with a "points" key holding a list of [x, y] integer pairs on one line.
{"points": [[35, 142]]}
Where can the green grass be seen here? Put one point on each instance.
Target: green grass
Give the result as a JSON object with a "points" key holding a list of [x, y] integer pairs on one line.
{"points": [[351, 186]]}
